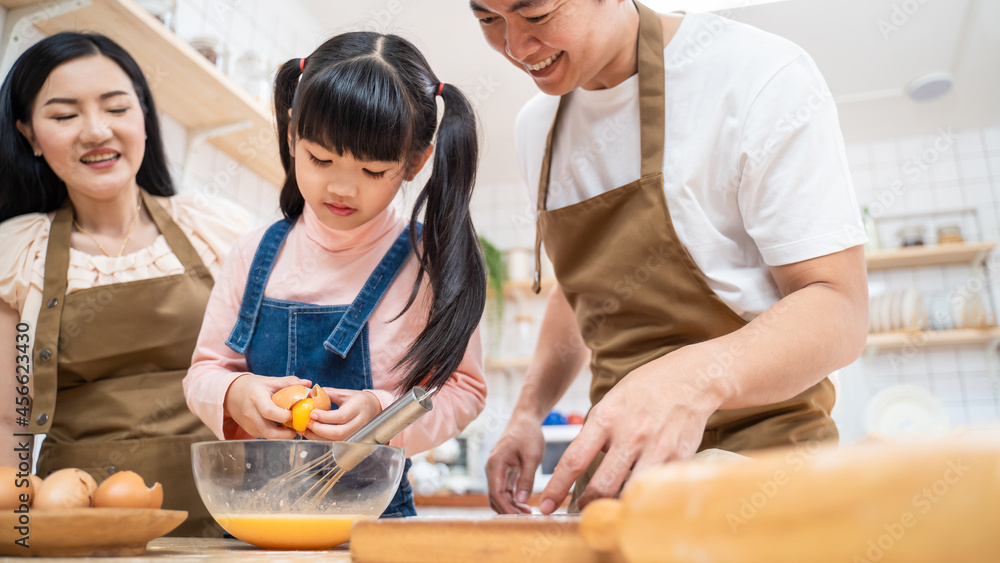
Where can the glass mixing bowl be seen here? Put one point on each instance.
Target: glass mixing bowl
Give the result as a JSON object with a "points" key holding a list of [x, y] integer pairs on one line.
{"points": [[295, 494]]}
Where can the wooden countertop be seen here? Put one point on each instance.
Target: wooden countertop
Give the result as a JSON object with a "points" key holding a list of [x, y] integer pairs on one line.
{"points": [[210, 549]]}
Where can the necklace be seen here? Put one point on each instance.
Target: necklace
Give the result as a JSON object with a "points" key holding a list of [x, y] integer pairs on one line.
{"points": [[128, 235]]}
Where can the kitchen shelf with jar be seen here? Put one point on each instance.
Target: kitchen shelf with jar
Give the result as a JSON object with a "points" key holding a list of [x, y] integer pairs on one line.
{"points": [[184, 83], [972, 253], [941, 324]]}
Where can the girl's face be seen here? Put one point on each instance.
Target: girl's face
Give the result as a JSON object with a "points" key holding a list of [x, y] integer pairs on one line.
{"points": [[345, 192], [89, 127]]}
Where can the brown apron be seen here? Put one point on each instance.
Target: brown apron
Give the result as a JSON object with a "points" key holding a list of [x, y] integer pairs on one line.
{"points": [[638, 295], [114, 356]]}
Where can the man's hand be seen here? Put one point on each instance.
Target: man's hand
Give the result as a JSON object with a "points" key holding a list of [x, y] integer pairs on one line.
{"points": [[510, 469], [655, 414]]}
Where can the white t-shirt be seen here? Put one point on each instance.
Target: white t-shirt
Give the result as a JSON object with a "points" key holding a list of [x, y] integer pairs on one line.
{"points": [[754, 165]]}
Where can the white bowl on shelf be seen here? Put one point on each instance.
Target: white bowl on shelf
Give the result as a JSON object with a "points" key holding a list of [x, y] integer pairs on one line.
{"points": [[903, 411]]}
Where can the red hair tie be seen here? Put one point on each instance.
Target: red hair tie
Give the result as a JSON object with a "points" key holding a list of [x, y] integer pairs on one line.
{"points": [[440, 88], [302, 64]]}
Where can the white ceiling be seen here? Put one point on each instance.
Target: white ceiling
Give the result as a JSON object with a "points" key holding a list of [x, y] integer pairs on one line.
{"points": [[866, 67]]}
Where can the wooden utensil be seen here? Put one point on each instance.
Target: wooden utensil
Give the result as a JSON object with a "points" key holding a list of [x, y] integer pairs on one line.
{"points": [[84, 532], [914, 503], [500, 539]]}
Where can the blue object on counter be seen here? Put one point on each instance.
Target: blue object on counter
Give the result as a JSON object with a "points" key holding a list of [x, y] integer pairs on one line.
{"points": [[553, 419]]}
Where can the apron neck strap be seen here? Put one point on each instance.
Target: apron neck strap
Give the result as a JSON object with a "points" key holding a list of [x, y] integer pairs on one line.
{"points": [[179, 243], [57, 252], [652, 90], [652, 129]]}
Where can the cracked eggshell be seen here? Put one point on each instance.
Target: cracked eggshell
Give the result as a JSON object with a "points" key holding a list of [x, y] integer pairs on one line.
{"points": [[126, 489]]}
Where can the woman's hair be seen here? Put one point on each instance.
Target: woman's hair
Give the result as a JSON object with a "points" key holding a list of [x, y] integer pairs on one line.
{"points": [[372, 96], [27, 184]]}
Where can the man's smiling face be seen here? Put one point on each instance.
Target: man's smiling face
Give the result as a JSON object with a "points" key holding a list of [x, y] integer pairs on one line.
{"points": [[561, 44]]}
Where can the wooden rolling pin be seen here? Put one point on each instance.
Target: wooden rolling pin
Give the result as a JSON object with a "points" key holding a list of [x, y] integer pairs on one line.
{"points": [[933, 502]]}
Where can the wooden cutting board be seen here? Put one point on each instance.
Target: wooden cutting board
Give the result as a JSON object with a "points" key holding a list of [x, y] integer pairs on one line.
{"points": [[500, 539], [929, 502]]}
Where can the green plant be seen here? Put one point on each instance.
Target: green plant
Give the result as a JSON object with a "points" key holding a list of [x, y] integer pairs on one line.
{"points": [[496, 275]]}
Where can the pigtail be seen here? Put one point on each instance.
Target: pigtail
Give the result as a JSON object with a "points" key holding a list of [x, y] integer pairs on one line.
{"points": [[451, 256], [285, 84]]}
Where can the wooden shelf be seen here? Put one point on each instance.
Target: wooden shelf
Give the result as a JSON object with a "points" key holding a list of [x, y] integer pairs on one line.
{"points": [[972, 253], [184, 84], [508, 363], [514, 290], [920, 339]]}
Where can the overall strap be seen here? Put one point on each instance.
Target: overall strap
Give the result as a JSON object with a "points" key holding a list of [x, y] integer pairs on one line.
{"points": [[354, 319], [253, 295]]}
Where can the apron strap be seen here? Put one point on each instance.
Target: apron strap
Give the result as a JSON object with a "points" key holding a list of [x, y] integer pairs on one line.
{"points": [[354, 319], [47, 329], [652, 91], [253, 294], [652, 119], [178, 242]]}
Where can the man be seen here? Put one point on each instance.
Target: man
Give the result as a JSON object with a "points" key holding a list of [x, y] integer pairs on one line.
{"points": [[695, 201]]}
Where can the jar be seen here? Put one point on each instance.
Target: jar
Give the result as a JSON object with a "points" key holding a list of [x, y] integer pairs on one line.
{"points": [[949, 234], [871, 230], [250, 74], [213, 50], [162, 10], [911, 235]]}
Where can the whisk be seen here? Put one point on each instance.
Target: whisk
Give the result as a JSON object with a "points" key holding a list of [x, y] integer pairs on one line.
{"points": [[321, 474]]}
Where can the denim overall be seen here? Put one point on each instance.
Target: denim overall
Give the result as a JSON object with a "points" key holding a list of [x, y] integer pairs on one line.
{"points": [[326, 344]]}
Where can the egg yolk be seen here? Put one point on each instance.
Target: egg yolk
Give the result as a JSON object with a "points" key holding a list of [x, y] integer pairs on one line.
{"points": [[300, 414]]}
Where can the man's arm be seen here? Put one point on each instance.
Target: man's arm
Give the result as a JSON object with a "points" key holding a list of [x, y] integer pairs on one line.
{"points": [[658, 412], [559, 357]]}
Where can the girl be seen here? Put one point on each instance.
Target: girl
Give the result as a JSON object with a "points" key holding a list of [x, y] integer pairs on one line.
{"points": [[335, 293], [105, 273]]}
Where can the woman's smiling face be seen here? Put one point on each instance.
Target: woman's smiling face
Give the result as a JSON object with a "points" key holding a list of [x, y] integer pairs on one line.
{"points": [[89, 126]]}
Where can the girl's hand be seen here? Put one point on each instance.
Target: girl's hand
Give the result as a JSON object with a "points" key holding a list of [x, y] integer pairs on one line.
{"points": [[355, 408], [248, 402]]}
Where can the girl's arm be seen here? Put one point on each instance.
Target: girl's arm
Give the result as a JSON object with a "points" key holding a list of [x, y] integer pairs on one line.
{"points": [[233, 403], [456, 404]]}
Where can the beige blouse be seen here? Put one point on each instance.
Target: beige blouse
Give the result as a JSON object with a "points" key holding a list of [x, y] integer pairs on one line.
{"points": [[212, 227]]}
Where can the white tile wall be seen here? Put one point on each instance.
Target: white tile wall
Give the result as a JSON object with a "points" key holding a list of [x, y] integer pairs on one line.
{"points": [[242, 26], [939, 172]]}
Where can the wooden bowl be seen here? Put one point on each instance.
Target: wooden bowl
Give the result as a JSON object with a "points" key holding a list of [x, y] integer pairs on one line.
{"points": [[84, 532]]}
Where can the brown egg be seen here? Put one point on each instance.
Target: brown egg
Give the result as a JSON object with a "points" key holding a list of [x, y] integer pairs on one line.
{"points": [[12, 487], [127, 489], [155, 496], [66, 488], [36, 483], [290, 395], [301, 402]]}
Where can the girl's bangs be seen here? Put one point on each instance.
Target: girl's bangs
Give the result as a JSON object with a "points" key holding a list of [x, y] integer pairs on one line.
{"points": [[356, 108]]}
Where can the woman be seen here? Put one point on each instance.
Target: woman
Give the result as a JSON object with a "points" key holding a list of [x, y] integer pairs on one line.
{"points": [[105, 273]]}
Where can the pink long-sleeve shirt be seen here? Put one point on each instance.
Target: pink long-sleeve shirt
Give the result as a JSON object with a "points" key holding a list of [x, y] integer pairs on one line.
{"points": [[327, 267]]}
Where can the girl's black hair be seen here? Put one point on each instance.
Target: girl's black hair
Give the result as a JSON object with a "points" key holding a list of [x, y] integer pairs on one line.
{"points": [[372, 96], [27, 184]]}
